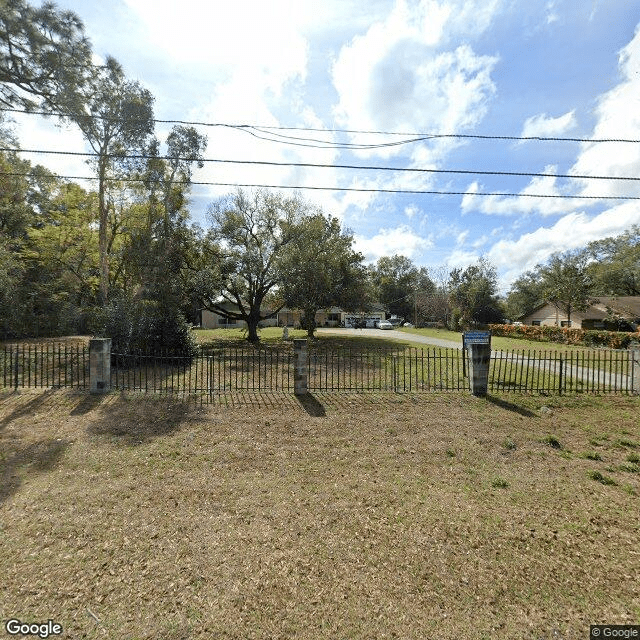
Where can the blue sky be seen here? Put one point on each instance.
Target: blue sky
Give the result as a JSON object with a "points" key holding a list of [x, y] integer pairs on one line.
{"points": [[562, 68]]}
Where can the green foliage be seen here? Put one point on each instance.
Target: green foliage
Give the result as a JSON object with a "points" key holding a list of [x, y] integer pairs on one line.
{"points": [[142, 326], [615, 263], [566, 335], [44, 54], [566, 282], [319, 269], [552, 441], [602, 479], [473, 294], [398, 284], [251, 231]]}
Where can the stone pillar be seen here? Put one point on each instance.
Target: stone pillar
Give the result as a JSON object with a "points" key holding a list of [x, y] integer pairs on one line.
{"points": [[100, 365], [635, 373], [300, 379], [480, 357]]}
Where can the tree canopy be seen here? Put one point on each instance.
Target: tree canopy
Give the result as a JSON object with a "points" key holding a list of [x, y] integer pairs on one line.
{"points": [[320, 269], [44, 54]]}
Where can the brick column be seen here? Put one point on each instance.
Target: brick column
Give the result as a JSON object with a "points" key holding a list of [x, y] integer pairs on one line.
{"points": [[300, 378], [100, 365]]}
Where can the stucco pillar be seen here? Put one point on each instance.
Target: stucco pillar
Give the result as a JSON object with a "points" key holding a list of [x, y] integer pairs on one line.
{"points": [[300, 379], [100, 365]]}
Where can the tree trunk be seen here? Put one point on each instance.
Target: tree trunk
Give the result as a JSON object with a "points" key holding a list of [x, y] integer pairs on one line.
{"points": [[252, 327], [103, 215], [310, 321]]}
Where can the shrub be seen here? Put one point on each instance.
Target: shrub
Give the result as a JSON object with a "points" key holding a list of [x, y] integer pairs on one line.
{"points": [[565, 335], [142, 326]]}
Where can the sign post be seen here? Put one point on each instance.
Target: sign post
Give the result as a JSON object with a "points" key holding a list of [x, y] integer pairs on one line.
{"points": [[478, 344]]}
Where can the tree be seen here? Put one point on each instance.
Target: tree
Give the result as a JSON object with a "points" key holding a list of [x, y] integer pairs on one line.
{"points": [[473, 294], [320, 269], [614, 264], [44, 53], [251, 231], [115, 117], [525, 295], [398, 283], [566, 282]]}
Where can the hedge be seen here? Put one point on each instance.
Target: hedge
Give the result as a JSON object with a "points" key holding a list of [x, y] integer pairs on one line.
{"points": [[565, 335]]}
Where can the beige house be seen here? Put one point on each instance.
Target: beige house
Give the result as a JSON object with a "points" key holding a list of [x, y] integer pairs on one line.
{"points": [[611, 313], [333, 317]]}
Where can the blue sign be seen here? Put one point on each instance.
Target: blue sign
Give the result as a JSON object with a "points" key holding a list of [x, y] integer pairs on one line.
{"points": [[476, 337]]}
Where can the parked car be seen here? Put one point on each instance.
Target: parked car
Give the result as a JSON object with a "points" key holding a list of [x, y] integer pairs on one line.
{"points": [[385, 325]]}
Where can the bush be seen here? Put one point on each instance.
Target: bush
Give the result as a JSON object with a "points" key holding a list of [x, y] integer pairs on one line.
{"points": [[562, 335], [142, 326]]}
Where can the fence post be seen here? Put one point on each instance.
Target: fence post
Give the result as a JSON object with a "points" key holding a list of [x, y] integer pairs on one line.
{"points": [[300, 376], [100, 365], [479, 368], [635, 370]]}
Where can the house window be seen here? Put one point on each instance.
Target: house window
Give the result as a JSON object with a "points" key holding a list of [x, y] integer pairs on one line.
{"points": [[333, 317], [597, 324], [565, 323], [535, 323]]}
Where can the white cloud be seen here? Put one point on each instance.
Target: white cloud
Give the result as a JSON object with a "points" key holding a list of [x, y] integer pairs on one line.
{"points": [[573, 231], [544, 126], [617, 117], [395, 77], [462, 237], [387, 242], [460, 258], [526, 203], [411, 211], [45, 134]]}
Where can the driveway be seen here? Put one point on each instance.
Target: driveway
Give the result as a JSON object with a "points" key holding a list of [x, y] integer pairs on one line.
{"points": [[597, 378], [394, 335]]}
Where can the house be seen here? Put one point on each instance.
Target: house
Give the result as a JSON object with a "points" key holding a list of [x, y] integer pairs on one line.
{"points": [[333, 317], [617, 313], [213, 320]]}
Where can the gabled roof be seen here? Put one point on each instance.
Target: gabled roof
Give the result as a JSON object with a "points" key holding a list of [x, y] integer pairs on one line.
{"points": [[627, 307]]}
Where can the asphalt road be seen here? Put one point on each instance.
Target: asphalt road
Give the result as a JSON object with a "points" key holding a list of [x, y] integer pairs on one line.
{"points": [[395, 335]]}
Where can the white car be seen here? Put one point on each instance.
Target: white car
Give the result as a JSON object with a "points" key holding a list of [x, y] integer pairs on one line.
{"points": [[385, 325]]}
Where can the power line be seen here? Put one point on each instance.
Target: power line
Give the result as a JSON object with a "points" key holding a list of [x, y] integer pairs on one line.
{"points": [[415, 135], [358, 189], [339, 166]]}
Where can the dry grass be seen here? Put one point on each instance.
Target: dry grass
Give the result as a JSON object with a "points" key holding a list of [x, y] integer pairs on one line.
{"points": [[341, 516]]}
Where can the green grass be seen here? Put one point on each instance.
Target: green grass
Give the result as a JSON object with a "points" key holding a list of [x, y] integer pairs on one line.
{"points": [[252, 518]]}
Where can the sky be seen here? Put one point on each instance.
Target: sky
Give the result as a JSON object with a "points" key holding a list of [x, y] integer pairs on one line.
{"points": [[359, 72]]}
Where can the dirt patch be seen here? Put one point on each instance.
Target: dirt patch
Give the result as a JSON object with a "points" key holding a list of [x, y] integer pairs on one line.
{"points": [[333, 516]]}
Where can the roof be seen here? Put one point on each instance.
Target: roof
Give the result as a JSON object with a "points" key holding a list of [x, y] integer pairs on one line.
{"points": [[627, 307]]}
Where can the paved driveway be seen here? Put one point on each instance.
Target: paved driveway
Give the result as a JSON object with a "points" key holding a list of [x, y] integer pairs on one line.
{"points": [[394, 335]]}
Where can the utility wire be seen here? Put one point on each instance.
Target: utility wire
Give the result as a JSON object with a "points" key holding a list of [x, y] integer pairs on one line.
{"points": [[415, 136], [360, 189], [336, 166]]}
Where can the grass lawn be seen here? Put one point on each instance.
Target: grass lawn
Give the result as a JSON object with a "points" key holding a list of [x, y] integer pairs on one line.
{"points": [[272, 337], [337, 516]]}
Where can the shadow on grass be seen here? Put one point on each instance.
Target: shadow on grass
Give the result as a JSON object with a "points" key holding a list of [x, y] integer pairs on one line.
{"points": [[509, 406], [126, 420], [88, 403], [25, 408], [312, 405], [37, 457]]}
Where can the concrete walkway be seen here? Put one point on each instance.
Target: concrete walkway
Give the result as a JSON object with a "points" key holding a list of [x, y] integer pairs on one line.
{"points": [[390, 334]]}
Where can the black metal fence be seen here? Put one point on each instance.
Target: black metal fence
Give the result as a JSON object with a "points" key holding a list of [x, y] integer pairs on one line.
{"points": [[49, 365], [55, 365]]}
